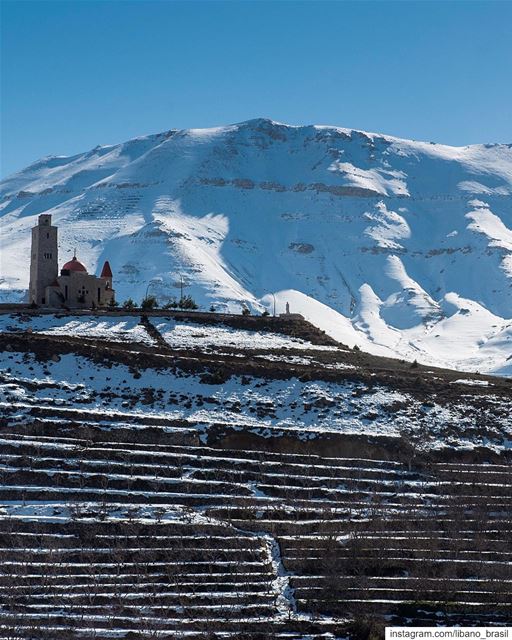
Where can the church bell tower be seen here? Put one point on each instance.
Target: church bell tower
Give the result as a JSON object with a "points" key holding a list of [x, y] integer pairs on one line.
{"points": [[43, 259]]}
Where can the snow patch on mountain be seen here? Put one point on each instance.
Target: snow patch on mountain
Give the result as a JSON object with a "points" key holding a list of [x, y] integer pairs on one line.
{"points": [[403, 248]]}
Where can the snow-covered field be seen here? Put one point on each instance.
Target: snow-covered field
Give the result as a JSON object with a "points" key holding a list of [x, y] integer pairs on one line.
{"points": [[188, 335], [401, 247], [155, 499], [305, 408], [117, 329], [118, 395], [177, 333]]}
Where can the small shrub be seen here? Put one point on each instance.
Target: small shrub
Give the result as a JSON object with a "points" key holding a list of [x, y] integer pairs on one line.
{"points": [[265, 314], [149, 302], [172, 304], [214, 376], [129, 304], [187, 302], [246, 311], [365, 628]]}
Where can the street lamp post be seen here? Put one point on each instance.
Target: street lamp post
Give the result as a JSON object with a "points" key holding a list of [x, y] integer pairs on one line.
{"points": [[152, 281], [181, 287], [273, 296]]}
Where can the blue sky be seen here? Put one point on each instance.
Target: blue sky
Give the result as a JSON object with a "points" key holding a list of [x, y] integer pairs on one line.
{"points": [[75, 74]]}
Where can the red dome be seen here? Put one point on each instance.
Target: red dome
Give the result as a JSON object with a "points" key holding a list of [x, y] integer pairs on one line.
{"points": [[74, 265]]}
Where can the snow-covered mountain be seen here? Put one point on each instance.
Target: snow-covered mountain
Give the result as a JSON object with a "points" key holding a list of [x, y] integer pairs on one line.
{"points": [[403, 248]]}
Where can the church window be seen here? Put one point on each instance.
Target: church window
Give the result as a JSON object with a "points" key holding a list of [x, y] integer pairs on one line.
{"points": [[48, 256], [47, 235]]}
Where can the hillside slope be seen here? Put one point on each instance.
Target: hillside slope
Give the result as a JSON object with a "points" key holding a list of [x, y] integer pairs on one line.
{"points": [[243, 478], [401, 247]]}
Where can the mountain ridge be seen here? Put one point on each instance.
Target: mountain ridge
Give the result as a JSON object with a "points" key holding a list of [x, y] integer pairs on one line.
{"points": [[401, 247]]}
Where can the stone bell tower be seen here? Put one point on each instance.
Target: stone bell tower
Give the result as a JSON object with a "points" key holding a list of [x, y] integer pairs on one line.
{"points": [[43, 259]]}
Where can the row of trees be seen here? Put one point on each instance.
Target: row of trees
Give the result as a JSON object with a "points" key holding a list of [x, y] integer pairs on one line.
{"points": [[150, 302], [186, 302]]}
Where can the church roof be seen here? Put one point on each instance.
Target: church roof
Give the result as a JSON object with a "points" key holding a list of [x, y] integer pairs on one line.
{"points": [[106, 272], [74, 265]]}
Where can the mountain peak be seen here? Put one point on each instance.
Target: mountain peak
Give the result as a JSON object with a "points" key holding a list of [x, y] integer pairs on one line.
{"points": [[368, 236]]}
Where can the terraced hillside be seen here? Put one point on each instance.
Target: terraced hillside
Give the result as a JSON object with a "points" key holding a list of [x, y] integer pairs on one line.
{"points": [[244, 479]]}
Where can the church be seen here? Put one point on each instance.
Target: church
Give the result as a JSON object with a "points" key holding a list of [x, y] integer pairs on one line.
{"points": [[74, 288]]}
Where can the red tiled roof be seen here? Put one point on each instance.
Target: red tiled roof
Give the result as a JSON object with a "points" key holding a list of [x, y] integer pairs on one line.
{"points": [[106, 272]]}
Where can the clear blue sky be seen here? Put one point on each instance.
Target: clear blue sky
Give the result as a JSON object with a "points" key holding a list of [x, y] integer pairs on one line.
{"points": [[75, 74]]}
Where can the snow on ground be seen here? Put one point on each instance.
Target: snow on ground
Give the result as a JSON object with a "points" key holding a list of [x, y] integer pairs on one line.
{"points": [[118, 328], [178, 334], [266, 404], [465, 337], [477, 383], [49, 511], [188, 335], [118, 395]]}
